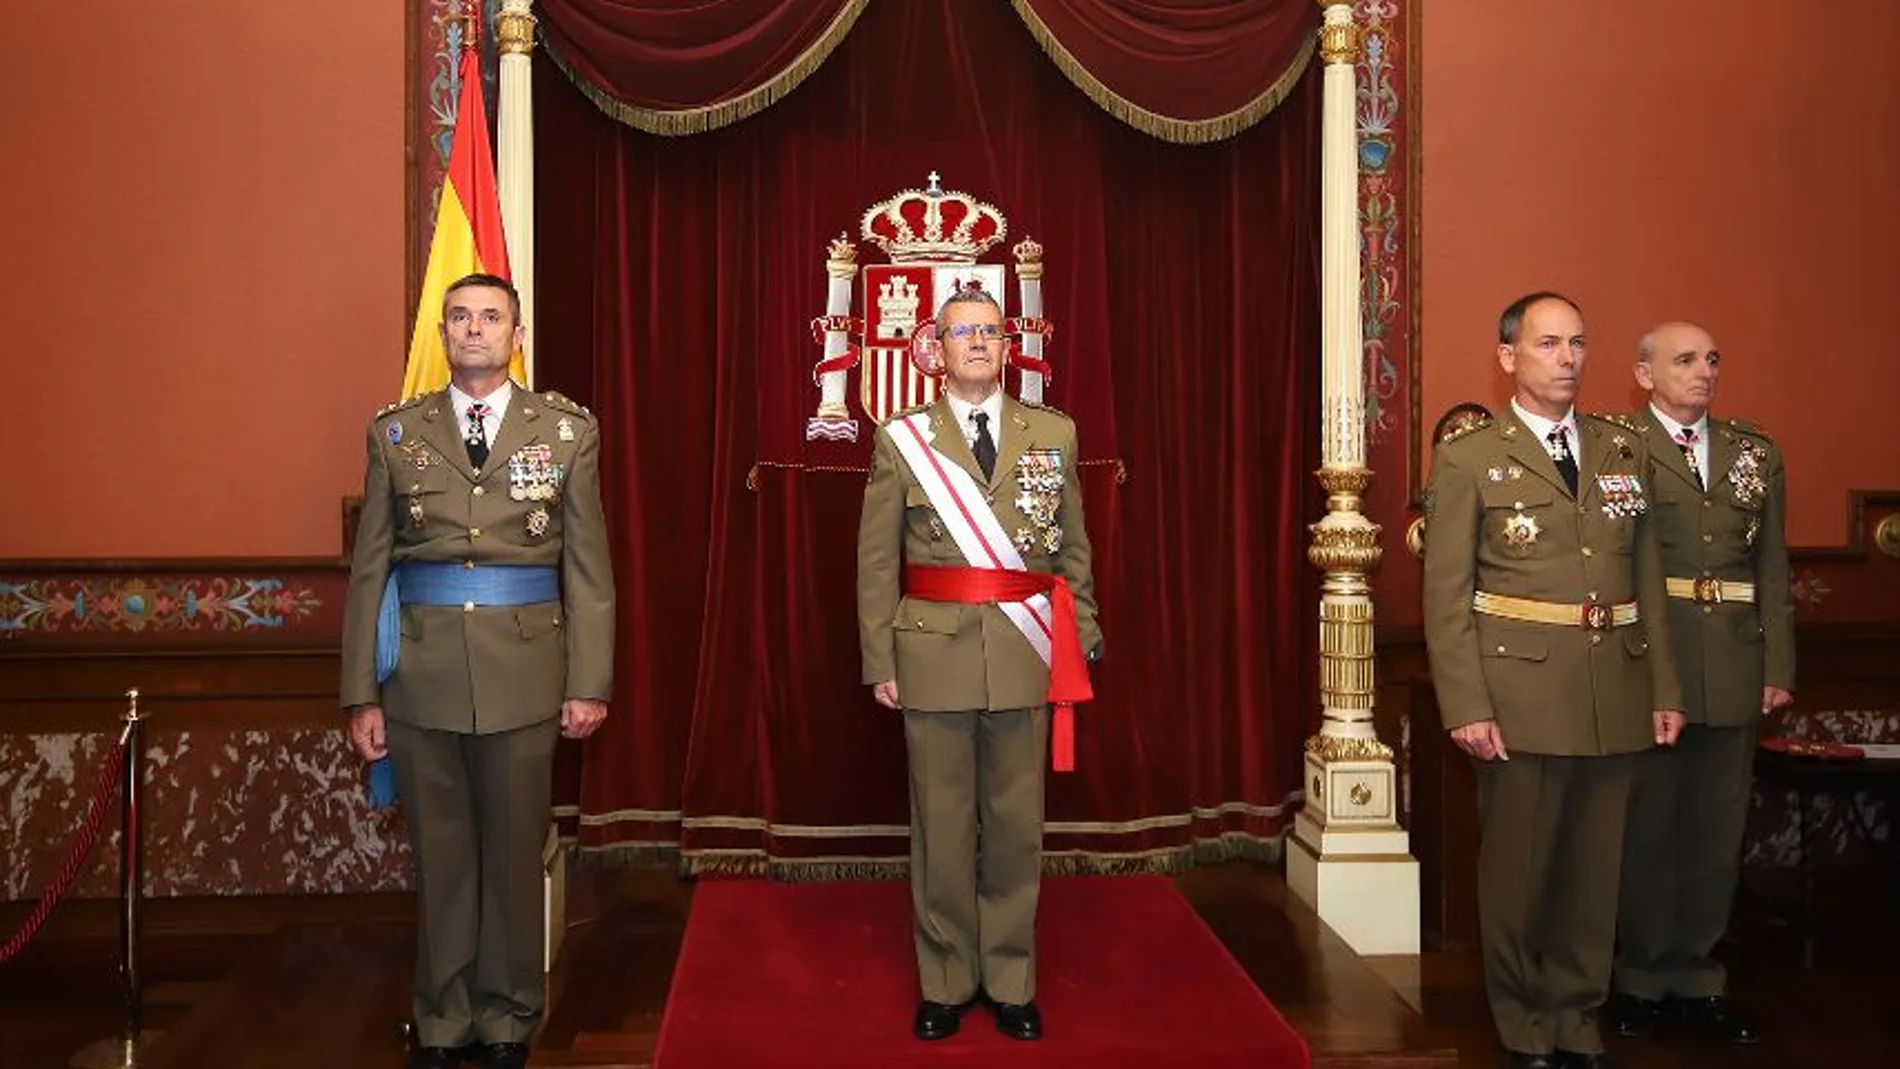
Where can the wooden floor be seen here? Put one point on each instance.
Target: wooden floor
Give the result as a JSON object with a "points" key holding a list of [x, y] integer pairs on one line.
{"points": [[321, 982]]}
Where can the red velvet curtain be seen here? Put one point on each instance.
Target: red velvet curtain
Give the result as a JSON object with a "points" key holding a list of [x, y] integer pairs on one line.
{"points": [[676, 281], [1186, 70]]}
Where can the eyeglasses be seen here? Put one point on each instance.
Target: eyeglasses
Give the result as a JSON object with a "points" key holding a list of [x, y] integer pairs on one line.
{"points": [[966, 331]]}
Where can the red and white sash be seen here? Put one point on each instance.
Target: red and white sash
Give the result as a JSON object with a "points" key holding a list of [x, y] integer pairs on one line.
{"points": [[972, 526]]}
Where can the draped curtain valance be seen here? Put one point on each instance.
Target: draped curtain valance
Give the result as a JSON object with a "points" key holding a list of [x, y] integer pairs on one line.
{"points": [[1181, 70]]}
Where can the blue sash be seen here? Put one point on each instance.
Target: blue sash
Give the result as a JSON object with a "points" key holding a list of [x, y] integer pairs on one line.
{"points": [[445, 583]]}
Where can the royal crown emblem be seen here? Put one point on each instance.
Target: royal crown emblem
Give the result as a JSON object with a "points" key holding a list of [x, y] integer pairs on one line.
{"points": [[933, 224], [934, 238]]}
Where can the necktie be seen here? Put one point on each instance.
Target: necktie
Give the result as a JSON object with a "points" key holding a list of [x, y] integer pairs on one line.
{"points": [[1686, 438], [984, 447], [477, 440], [1559, 439]]}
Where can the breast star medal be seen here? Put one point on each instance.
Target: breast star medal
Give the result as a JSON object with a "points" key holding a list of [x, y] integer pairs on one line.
{"points": [[537, 523], [1520, 532]]}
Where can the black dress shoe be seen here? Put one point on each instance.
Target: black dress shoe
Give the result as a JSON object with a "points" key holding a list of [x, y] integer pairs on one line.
{"points": [[936, 1020], [434, 1058], [1517, 1059], [1630, 1016], [505, 1056], [1019, 1021], [1719, 1015], [1570, 1059]]}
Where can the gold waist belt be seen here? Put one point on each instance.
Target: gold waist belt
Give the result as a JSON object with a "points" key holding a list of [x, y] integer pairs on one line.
{"points": [[1593, 615], [1710, 591]]}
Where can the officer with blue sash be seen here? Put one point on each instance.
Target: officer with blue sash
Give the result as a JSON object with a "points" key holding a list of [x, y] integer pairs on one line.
{"points": [[478, 629]]}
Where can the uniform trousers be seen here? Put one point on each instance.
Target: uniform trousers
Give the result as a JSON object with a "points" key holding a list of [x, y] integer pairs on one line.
{"points": [[1681, 860], [1551, 845], [976, 805], [478, 811]]}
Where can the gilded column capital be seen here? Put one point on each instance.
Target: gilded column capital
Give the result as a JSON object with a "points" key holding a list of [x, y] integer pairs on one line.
{"points": [[1338, 35], [514, 28], [1333, 748]]}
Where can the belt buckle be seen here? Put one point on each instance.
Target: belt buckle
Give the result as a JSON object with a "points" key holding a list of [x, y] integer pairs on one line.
{"points": [[1595, 616], [1708, 591]]}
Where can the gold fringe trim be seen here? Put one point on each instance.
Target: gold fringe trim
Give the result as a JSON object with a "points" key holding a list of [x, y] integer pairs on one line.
{"points": [[784, 870], [1179, 131], [1163, 861], [724, 113], [629, 856]]}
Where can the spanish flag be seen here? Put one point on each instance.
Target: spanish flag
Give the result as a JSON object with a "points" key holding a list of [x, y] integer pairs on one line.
{"points": [[468, 237]]}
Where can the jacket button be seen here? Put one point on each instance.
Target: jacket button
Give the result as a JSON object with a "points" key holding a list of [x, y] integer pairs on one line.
{"points": [[468, 606], [474, 532], [1596, 639], [1708, 610], [468, 564], [1500, 649], [1708, 538], [415, 488], [479, 491], [1707, 504], [1588, 552]]}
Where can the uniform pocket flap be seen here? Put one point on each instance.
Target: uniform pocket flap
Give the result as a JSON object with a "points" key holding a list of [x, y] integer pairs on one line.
{"points": [[1521, 493], [433, 479], [1526, 645], [932, 617], [537, 620], [1636, 642]]}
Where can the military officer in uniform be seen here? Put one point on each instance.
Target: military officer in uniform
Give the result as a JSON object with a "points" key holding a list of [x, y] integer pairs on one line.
{"points": [[1544, 608], [1719, 503], [945, 622], [478, 627]]}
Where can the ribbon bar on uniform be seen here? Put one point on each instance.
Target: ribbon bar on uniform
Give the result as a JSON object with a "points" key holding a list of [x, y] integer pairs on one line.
{"points": [[1068, 668], [1591, 615]]}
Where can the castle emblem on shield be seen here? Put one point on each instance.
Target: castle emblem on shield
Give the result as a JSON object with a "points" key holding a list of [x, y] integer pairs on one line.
{"points": [[933, 238]]}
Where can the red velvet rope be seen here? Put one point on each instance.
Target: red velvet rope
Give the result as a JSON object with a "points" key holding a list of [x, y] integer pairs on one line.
{"points": [[88, 835]]}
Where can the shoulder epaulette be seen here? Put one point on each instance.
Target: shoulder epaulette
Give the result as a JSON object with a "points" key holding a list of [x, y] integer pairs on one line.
{"points": [[1625, 422], [562, 401], [1051, 409], [397, 406], [1748, 428], [904, 413], [1467, 428]]}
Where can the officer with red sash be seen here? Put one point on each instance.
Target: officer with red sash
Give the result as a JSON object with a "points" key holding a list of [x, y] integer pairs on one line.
{"points": [[975, 609]]}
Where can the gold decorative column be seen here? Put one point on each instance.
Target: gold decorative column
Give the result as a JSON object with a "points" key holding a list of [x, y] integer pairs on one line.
{"points": [[514, 156], [1349, 858]]}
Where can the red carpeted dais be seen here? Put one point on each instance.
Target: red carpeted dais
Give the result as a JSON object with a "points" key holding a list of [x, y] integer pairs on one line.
{"points": [[822, 974]]}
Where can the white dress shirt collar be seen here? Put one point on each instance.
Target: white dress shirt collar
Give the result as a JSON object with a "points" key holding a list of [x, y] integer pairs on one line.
{"points": [[497, 403], [1542, 427], [962, 410], [1700, 428]]}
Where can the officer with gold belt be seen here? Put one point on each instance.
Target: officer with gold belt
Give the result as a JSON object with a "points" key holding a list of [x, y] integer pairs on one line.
{"points": [[975, 604], [1720, 504], [1543, 603], [480, 618]]}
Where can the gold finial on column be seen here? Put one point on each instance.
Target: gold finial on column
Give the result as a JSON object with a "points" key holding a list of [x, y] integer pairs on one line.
{"points": [[514, 27], [1338, 35]]}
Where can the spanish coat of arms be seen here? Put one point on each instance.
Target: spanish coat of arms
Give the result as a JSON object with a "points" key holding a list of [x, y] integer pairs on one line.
{"points": [[933, 238]]}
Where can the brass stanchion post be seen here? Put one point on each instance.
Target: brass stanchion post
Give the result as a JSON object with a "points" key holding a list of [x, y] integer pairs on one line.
{"points": [[123, 1053]]}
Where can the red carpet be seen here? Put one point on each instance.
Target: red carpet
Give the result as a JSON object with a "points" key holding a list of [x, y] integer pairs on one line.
{"points": [[822, 974]]}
